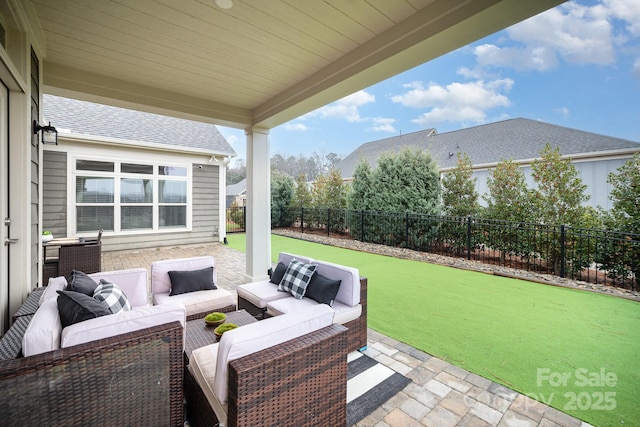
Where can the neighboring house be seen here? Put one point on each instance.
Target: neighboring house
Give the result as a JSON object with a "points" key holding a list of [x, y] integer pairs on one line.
{"points": [[521, 140], [147, 180], [237, 193]]}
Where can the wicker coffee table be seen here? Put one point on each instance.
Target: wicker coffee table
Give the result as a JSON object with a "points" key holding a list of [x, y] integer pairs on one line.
{"points": [[199, 334]]}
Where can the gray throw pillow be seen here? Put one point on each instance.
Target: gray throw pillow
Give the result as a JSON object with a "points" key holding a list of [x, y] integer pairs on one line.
{"points": [[323, 289], [183, 282], [80, 282], [77, 307]]}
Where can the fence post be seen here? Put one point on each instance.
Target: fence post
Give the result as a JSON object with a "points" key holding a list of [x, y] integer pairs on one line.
{"points": [[328, 221], [469, 237], [302, 220], [562, 252], [406, 229], [244, 218]]}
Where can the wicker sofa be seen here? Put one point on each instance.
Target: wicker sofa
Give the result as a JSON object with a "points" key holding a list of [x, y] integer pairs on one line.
{"points": [[196, 303], [262, 299], [289, 370], [126, 368]]}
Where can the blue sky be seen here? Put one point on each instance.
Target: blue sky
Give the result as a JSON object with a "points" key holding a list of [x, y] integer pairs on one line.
{"points": [[577, 65]]}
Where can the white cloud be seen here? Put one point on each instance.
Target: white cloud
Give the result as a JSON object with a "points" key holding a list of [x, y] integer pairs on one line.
{"points": [[381, 124], [625, 10], [346, 108], [570, 32], [563, 111], [298, 127], [636, 68], [456, 102]]}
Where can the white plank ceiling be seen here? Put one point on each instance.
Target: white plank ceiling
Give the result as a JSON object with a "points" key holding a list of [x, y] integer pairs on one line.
{"points": [[260, 63]]}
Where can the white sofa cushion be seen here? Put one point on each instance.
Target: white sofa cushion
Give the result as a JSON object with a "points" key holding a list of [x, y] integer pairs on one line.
{"points": [[349, 292], [133, 283], [286, 257], [343, 312], [55, 284], [257, 336], [43, 332], [202, 365], [199, 301], [160, 281], [121, 323], [261, 293]]}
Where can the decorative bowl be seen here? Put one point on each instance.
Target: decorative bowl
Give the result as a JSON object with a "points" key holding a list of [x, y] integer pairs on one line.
{"points": [[221, 329], [214, 319], [47, 237]]}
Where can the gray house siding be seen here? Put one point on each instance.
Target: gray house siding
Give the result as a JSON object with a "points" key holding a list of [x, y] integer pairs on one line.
{"points": [[206, 196], [593, 173], [54, 196], [204, 209]]}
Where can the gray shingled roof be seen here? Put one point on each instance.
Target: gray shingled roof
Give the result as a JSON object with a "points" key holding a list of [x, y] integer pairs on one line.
{"points": [[237, 189], [87, 118], [515, 139]]}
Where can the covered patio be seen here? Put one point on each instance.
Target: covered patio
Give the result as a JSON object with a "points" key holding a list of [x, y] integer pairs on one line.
{"points": [[440, 394], [253, 66]]}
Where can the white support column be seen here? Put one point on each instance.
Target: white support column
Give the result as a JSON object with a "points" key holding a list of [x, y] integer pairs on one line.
{"points": [[222, 199], [258, 204]]}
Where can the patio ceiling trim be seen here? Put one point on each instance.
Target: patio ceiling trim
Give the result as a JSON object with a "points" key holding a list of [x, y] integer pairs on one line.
{"points": [[73, 83]]}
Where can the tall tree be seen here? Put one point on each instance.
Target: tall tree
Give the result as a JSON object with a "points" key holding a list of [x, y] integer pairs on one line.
{"points": [[302, 197], [359, 195], [282, 191], [329, 191], [408, 181], [332, 160], [625, 196], [508, 198], [620, 256], [560, 193], [459, 195], [236, 173]]}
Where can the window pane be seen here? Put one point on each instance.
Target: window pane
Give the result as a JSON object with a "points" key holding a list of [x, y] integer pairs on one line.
{"points": [[172, 191], [133, 168], [172, 216], [172, 171], [94, 218], [91, 165], [136, 190], [136, 217], [94, 190]]}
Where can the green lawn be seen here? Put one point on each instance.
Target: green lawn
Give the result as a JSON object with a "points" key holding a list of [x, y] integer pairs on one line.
{"points": [[575, 350]]}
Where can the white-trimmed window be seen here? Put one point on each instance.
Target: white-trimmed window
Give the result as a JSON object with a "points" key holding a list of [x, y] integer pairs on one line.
{"points": [[122, 196]]}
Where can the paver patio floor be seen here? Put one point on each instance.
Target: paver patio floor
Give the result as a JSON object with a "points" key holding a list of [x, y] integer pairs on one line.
{"points": [[439, 395]]}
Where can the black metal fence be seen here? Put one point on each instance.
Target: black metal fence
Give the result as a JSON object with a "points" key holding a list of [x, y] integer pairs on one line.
{"points": [[591, 255], [236, 219]]}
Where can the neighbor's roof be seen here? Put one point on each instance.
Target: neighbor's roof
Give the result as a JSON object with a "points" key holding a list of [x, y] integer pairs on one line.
{"points": [[514, 139], [237, 189], [97, 120]]}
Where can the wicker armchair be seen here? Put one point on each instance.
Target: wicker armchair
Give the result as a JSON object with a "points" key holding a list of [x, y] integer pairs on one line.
{"points": [[129, 379], [85, 258], [301, 382]]}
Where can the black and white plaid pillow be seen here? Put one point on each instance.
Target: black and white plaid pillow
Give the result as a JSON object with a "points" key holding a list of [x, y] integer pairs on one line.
{"points": [[112, 296], [296, 278]]}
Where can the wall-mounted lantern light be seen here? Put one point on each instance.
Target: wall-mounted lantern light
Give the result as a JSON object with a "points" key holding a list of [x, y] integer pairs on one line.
{"points": [[49, 133]]}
